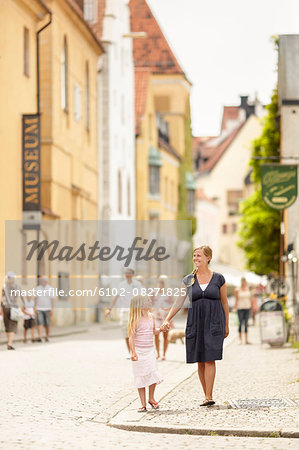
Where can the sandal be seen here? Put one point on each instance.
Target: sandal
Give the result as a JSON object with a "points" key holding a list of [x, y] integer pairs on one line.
{"points": [[154, 405], [142, 409], [208, 403]]}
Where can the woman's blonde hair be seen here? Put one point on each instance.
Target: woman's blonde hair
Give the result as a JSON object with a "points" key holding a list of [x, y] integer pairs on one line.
{"points": [[136, 305], [207, 251]]}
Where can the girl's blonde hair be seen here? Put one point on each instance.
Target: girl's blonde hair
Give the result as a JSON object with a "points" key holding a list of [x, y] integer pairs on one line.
{"points": [[207, 251], [136, 305]]}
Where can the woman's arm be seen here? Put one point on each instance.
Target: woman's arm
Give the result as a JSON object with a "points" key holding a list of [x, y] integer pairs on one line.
{"points": [[132, 346], [223, 299], [175, 308]]}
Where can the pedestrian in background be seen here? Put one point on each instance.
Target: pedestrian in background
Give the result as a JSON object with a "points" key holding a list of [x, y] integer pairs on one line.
{"points": [[126, 291], [29, 318], [243, 306], [161, 306], [44, 306], [141, 331], [207, 318], [10, 300]]}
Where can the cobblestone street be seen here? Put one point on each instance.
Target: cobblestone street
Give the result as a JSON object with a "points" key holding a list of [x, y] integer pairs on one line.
{"points": [[62, 394]]}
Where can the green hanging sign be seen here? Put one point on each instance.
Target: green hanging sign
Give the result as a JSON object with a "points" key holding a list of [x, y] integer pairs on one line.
{"points": [[279, 185]]}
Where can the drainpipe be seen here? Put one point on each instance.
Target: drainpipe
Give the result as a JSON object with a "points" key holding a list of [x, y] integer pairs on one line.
{"points": [[37, 61]]}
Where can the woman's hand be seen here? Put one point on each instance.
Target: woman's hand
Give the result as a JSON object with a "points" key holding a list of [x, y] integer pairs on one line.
{"points": [[226, 332], [165, 326], [134, 357]]}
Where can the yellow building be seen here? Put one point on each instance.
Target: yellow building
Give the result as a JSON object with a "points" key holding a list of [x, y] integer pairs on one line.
{"points": [[19, 23], [162, 113], [65, 95]]}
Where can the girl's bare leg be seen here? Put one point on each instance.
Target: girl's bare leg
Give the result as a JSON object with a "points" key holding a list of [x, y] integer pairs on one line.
{"points": [[201, 376], [151, 391], [210, 372], [141, 392], [157, 343], [165, 343], [32, 333]]}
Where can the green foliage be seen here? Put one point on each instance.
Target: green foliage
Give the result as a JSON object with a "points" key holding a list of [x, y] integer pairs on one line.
{"points": [[260, 224]]}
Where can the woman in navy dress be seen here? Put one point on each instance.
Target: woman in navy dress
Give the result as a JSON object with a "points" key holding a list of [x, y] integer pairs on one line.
{"points": [[207, 320]]}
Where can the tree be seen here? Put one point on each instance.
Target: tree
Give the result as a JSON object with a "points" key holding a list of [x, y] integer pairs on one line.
{"points": [[260, 224]]}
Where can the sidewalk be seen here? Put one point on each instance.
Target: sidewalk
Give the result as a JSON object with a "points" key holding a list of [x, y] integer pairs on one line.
{"points": [[247, 372]]}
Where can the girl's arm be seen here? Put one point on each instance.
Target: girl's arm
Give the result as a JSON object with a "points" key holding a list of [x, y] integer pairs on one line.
{"points": [[134, 357], [175, 308], [156, 330], [223, 299]]}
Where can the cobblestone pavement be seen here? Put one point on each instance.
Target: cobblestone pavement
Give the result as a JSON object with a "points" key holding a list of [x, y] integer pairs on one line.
{"points": [[246, 372], [61, 394]]}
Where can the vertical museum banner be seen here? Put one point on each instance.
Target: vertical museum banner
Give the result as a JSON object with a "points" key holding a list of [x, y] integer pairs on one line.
{"points": [[31, 162]]}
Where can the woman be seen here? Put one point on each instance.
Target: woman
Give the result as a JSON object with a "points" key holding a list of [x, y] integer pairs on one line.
{"points": [[243, 306], [10, 299], [207, 319], [161, 306]]}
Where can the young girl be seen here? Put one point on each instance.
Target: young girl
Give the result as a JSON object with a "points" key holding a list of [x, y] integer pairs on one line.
{"points": [[141, 340]]}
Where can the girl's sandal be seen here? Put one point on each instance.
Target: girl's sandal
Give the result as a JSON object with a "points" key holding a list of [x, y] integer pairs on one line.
{"points": [[142, 409], [154, 405], [208, 403]]}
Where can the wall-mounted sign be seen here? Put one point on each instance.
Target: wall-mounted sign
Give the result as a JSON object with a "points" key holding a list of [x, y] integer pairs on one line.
{"points": [[31, 162], [279, 185]]}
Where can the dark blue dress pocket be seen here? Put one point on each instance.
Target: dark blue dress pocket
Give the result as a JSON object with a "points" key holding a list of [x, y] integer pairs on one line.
{"points": [[215, 328], [190, 332]]}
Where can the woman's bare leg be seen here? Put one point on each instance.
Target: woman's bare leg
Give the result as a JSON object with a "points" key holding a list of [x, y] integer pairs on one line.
{"points": [[10, 336], [157, 343], [201, 376], [210, 372], [165, 343]]}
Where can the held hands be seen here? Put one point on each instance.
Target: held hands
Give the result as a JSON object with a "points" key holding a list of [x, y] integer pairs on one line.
{"points": [[107, 312], [134, 357], [165, 326]]}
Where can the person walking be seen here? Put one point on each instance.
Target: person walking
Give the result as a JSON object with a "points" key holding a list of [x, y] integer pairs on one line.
{"points": [[207, 318], [10, 295], [141, 330], [243, 305], [161, 306], [29, 318], [44, 306], [127, 289]]}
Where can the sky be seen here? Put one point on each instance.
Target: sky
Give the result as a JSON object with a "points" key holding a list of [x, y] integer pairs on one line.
{"points": [[225, 49]]}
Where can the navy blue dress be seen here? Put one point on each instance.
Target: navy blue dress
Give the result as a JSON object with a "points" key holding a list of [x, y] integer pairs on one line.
{"points": [[205, 327]]}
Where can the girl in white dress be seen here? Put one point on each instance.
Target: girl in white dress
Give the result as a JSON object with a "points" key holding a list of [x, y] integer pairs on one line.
{"points": [[141, 340]]}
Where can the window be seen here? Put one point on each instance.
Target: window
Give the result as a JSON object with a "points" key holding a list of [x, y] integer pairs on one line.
{"points": [[224, 228], [64, 76], [119, 193], [26, 52], [87, 96], [129, 198], [91, 11], [154, 180], [77, 102], [190, 201], [233, 200]]}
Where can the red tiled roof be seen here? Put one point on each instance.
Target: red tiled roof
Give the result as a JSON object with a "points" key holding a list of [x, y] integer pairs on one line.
{"points": [[154, 51], [206, 150], [229, 113], [141, 83], [219, 151]]}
